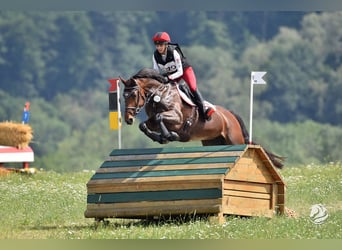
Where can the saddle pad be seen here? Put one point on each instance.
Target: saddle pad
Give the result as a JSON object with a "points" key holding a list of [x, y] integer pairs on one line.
{"points": [[186, 99]]}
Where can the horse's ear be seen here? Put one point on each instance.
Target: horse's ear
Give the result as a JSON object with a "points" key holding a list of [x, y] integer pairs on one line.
{"points": [[122, 80]]}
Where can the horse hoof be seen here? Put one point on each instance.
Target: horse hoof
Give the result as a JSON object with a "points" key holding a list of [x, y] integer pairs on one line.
{"points": [[163, 141], [142, 126], [173, 136]]}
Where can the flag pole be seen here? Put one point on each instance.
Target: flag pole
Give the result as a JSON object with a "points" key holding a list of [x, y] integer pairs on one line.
{"points": [[256, 78], [251, 115], [119, 113]]}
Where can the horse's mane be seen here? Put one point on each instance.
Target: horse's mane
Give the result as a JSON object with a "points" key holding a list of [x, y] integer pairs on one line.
{"points": [[168, 93], [149, 73]]}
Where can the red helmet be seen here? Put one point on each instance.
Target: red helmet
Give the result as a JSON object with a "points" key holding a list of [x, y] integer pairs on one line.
{"points": [[161, 37]]}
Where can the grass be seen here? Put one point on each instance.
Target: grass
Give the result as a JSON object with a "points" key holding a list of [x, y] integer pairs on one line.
{"points": [[49, 205]]}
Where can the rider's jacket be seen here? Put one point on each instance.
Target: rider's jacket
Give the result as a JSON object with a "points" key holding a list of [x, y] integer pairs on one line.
{"points": [[172, 64]]}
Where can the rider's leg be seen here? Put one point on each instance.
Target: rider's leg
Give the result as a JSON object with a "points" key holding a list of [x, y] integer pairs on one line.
{"points": [[199, 101], [190, 78]]}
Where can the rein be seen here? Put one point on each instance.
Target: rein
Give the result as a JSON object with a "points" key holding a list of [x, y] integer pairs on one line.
{"points": [[146, 98]]}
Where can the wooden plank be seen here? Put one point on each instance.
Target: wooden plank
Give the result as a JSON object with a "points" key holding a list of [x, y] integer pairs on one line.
{"points": [[249, 177], [142, 174], [264, 160], [139, 151], [164, 167], [133, 210], [152, 186], [151, 204], [274, 199], [281, 198], [247, 186], [175, 155], [246, 161], [246, 206], [156, 208], [247, 194], [281, 188], [154, 195], [13, 154], [176, 161], [160, 179], [249, 172]]}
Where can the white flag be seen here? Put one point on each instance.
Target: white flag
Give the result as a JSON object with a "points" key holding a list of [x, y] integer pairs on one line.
{"points": [[256, 77]]}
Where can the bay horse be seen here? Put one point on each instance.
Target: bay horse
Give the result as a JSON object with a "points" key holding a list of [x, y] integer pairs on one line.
{"points": [[171, 118]]}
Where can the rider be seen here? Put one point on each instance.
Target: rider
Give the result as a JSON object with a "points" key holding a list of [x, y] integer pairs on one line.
{"points": [[169, 60]]}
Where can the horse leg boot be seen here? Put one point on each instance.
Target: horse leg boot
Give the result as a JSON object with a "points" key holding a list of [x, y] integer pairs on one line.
{"points": [[199, 101], [169, 135]]}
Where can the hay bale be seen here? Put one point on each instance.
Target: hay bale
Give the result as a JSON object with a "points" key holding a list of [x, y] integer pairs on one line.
{"points": [[15, 134]]}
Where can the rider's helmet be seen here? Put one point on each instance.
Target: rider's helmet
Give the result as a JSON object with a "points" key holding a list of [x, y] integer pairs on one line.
{"points": [[161, 38]]}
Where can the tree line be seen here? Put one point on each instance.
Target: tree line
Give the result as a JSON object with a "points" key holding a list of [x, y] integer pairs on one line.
{"points": [[60, 62]]}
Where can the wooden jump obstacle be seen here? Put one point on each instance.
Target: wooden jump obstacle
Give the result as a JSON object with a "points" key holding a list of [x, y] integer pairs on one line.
{"points": [[211, 180], [13, 154]]}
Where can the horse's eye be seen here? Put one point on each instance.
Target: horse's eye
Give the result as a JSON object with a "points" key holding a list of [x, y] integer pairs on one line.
{"points": [[126, 95]]}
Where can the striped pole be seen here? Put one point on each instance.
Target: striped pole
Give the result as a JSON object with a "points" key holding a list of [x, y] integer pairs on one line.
{"points": [[114, 107]]}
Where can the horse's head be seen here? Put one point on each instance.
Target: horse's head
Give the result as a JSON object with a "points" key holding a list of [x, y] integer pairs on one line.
{"points": [[137, 90], [134, 99]]}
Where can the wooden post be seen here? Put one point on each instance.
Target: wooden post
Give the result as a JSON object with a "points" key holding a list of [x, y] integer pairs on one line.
{"points": [[26, 165]]}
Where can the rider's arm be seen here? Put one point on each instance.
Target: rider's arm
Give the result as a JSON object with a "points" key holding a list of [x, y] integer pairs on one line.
{"points": [[155, 65], [179, 66]]}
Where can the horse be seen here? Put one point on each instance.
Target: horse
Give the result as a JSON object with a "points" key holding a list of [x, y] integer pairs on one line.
{"points": [[171, 118]]}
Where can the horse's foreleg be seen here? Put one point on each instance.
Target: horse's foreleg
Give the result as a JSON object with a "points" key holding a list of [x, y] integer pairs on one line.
{"points": [[155, 136], [169, 135]]}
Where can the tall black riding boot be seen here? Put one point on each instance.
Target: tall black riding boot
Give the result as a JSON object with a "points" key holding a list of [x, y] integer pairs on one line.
{"points": [[199, 101]]}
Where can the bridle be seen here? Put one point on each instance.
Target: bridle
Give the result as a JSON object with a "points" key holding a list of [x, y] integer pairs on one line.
{"points": [[128, 92]]}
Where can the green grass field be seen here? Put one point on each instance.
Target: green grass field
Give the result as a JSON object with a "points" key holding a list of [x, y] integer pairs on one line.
{"points": [[49, 205]]}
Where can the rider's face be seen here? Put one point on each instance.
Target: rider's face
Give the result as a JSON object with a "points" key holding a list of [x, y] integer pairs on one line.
{"points": [[161, 48]]}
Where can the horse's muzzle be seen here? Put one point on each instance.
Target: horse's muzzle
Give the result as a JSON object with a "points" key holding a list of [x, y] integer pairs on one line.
{"points": [[129, 120]]}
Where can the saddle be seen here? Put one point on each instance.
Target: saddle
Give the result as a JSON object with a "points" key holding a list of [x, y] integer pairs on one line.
{"points": [[186, 96]]}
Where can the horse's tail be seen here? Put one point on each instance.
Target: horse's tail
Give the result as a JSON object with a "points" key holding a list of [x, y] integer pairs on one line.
{"points": [[276, 159], [243, 127]]}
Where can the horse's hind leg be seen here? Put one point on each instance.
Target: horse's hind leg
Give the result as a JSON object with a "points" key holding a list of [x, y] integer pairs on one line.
{"points": [[216, 141]]}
